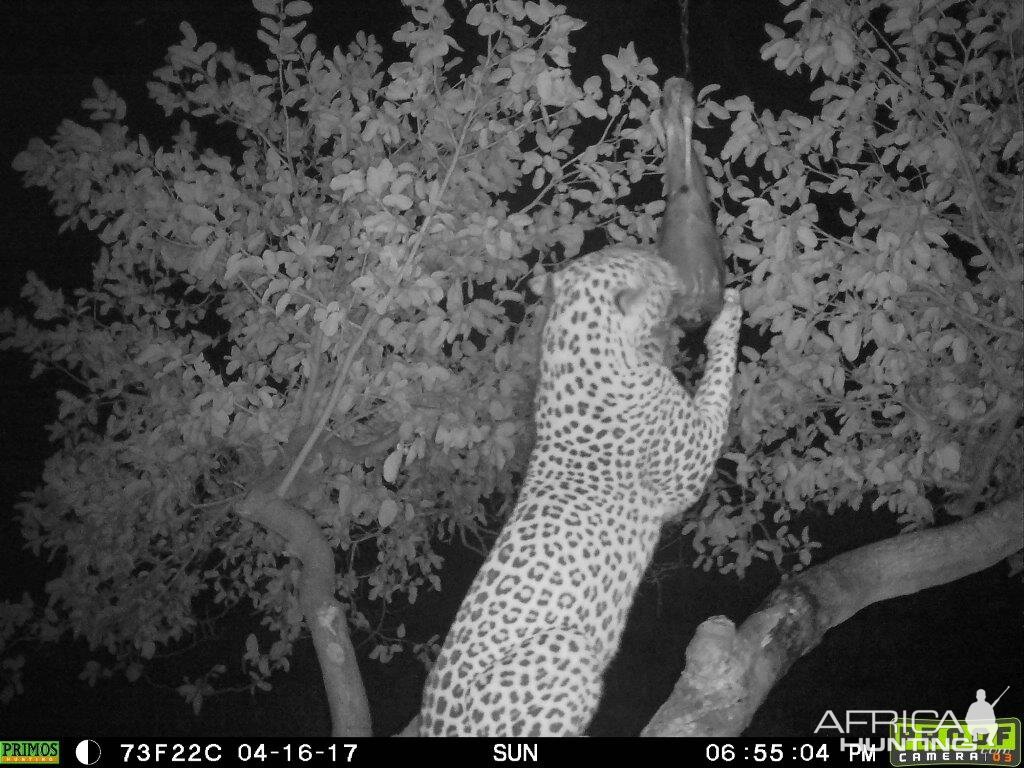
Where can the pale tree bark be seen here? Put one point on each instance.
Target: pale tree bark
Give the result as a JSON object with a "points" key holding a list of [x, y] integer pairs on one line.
{"points": [[729, 671], [325, 616]]}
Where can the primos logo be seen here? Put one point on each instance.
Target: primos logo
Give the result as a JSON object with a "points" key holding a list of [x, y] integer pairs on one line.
{"points": [[29, 752], [936, 742]]}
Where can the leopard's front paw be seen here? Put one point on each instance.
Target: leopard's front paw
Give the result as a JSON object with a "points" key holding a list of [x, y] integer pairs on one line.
{"points": [[726, 326]]}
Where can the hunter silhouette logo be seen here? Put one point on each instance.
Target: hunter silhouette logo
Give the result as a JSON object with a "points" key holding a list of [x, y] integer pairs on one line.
{"points": [[981, 717], [979, 737]]}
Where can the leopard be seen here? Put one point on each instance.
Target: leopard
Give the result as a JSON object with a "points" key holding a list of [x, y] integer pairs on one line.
{"points": [[620, 447]]}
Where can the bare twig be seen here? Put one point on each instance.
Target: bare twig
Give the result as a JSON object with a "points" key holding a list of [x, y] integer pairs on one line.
{"points": [[992, 450], [372, 317]]}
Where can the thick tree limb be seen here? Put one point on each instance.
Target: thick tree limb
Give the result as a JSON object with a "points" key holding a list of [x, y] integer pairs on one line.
{"points": [[325, 616], [729, 672]]}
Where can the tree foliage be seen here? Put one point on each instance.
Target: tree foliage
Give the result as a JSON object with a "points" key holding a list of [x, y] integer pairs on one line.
{"points": [[881, 238], [357, 259]]}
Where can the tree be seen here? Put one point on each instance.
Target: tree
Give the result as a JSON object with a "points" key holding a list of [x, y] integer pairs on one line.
{"points": [[318, 343], [316, 332]]}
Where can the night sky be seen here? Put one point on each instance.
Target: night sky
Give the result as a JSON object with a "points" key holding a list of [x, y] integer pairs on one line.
{"points": [[912, 653]]}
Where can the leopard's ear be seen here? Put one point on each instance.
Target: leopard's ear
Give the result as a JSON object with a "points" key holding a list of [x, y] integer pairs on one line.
{"points": [[544, 284], [627, 299]]}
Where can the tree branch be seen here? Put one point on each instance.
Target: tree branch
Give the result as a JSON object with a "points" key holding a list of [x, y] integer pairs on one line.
{"points": [[325, 617], [371, 316], [729, 672]]}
